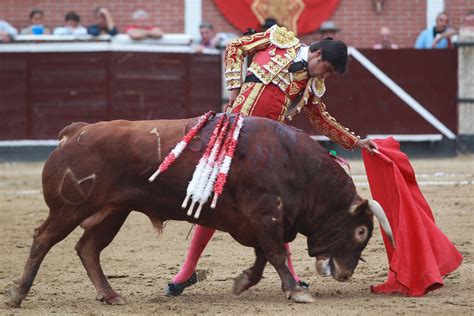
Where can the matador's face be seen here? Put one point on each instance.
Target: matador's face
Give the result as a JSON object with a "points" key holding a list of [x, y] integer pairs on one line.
{"points": [[317, 67]]}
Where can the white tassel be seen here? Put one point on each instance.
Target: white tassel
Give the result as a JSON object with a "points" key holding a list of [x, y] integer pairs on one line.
{"points": [[198, 211], [191, 190]]}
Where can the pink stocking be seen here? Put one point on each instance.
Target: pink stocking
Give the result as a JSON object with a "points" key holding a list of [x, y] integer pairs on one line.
{"points": [[201, 237], [290, 264]]}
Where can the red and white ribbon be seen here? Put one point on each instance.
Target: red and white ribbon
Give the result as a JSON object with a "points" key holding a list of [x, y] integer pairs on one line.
{"points": [[227, 161], [199, 195], [178, 149], [193, 184]]}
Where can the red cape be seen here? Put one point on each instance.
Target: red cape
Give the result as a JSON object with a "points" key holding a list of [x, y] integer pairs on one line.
{"points": [[423, 253]]}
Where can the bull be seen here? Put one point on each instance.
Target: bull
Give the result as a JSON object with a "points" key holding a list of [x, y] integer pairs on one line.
{"points": [[281, 183]]}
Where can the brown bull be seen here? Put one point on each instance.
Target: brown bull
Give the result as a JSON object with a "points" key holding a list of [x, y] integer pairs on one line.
{"points": [[281, 183]]}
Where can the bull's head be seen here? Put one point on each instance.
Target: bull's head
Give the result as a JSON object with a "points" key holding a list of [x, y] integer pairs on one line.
{"points": [[338, 243]]}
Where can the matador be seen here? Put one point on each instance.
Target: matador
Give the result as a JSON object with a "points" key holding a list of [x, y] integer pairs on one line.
{"points": [[284, 78]]}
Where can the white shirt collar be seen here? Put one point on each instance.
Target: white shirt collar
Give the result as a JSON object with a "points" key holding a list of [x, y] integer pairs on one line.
{"points": [[303, 54]]}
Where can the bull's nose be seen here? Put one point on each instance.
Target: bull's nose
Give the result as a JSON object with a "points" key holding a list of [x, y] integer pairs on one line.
{"points": [[344, 277]]}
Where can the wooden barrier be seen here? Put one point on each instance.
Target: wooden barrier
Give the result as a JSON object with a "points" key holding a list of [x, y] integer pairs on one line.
{"points": [[42, 91]]}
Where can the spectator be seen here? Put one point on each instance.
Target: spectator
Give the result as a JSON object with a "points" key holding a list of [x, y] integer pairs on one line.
{"points": [[72, 26], [7, 32], [468, 22], [142, 28], [105, 23], [328, 29], [468, 25], [36, 26], [385, 41], [437, 36], [209, 38]]}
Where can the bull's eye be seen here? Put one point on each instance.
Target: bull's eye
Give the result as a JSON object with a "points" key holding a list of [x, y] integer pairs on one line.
{"points": [[361, 233]]}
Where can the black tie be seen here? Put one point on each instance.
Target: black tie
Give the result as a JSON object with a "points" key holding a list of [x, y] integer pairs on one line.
{"points": [[297, 66]]}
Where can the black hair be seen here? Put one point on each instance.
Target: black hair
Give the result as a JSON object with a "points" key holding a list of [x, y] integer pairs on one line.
{"points": [[35, 11], [206, 25], [269, 22], [332, 51], [72, 16]]}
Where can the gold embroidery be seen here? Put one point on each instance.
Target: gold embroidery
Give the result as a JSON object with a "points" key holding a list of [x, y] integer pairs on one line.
{"points": [[318, 87], [285, 106], [294, 88], [253, 96], [246, 86], [300, 75], [282, 38], [238, 101], [261, 74]]}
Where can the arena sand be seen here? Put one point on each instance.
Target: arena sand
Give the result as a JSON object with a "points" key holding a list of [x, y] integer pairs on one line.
{"points": [[139, 263]]}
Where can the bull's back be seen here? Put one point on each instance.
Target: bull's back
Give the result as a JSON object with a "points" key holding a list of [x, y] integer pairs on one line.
{"points": [[92, 158]]}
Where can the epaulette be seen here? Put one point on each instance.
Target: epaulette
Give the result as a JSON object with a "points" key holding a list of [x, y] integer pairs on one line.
{"points": [[282, 38]]}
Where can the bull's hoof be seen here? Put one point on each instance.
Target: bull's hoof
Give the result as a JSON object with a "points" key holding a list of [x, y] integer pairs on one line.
{"points": [[241, 284], [300, 296], [175, 289], [14, 301], [114, 299]]}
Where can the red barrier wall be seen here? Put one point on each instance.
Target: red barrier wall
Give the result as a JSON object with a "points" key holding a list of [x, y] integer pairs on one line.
{"points": [[40, 93], [362, 103]]}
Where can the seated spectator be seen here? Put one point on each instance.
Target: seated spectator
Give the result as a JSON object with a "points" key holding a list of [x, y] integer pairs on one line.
{"points": [[142, 28], [209, 38], [437, 36], [72, 26], [105, 23], [468, 25], [328, 29], [385, 41], [468, 22], [36, 26], [7, 32]]}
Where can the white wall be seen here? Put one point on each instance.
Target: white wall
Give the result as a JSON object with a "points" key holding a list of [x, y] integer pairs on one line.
{"points": [[192, 18], [433, 8]]}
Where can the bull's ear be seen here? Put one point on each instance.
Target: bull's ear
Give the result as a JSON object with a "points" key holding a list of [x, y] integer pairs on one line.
{"points": [[359, 206]]}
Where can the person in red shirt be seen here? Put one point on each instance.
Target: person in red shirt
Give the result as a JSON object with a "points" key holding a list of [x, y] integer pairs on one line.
{"points": [[142, 28], [284, 78]]}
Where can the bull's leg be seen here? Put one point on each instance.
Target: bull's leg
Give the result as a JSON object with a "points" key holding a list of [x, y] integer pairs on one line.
{"points": [[92, 242], [269, 233], [54, 229], [252, 275]]}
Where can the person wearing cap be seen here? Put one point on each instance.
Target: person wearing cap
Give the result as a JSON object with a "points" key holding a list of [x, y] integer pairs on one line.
{"points": [[328, 29], [284, 78]]}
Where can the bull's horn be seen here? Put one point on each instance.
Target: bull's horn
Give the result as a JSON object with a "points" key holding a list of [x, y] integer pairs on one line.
{"points": [[378, 211]]}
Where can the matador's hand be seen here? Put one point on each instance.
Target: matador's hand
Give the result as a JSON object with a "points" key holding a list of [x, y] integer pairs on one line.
{"points": [[367, 144], [233, 95]]}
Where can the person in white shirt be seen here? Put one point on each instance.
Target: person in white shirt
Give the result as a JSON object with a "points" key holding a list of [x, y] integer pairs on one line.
{"points": [[72, 26], [7, 32]]}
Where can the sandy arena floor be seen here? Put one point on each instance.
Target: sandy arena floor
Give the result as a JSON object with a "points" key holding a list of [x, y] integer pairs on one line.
{"points": [[139, 263]]}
